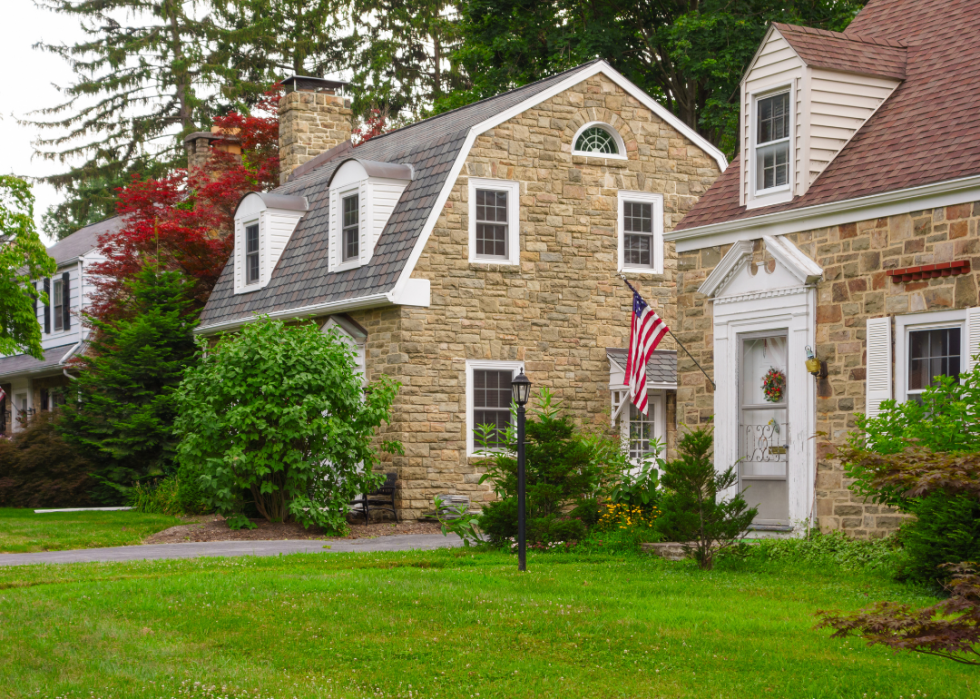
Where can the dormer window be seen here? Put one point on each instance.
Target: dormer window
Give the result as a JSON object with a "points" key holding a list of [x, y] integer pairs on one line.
{"points": [[772, 142], [252, 253], [352, 229], [599, 140]]}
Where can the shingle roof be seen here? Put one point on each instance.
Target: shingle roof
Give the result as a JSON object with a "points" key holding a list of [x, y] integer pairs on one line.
{"points": [[25, 363], [927, 131], [661, 369], [83, 240], [301, 278], [838, 51]]}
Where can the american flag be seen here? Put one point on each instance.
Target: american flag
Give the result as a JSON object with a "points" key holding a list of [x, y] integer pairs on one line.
{"points": [[646, 332]]}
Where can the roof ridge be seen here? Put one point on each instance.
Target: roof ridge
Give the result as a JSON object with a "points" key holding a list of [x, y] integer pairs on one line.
{"points": [[853, 36]]}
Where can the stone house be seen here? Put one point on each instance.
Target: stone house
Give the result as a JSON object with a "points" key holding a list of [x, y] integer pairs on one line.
{"points": [[31, 385], [461, 249], [846, 227]]}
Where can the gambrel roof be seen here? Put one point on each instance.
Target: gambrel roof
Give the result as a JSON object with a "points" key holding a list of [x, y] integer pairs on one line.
{"points": [[435, 149]]}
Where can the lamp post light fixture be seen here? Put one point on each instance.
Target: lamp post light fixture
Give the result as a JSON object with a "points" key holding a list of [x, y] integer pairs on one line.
{"points": [[520, 388]]}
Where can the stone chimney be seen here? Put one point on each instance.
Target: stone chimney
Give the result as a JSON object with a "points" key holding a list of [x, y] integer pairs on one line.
{"points": [[198, 145], [313, 118]]}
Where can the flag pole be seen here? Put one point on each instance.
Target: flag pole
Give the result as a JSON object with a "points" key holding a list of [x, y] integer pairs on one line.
{"points": [[679, 343]]}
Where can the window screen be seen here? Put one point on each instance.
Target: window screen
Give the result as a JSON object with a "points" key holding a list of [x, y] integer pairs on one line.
{"points": [[932, 353], [491, 223], [351, 229], [772, 141], [252, 253], [491, 400], [638, 234]]}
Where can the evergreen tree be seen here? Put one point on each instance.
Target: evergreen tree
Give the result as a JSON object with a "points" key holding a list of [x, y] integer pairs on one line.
{"points": [[124, 415]]}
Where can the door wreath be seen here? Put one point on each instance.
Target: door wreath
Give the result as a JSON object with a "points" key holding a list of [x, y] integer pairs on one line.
{"points": [[774, 385]]}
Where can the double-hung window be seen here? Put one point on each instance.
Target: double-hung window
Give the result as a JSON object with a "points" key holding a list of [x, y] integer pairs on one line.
{"points": [[350, 230], [58, 300], [772, 142], [252, 253], [488, 401], [494, 221], [641, 232], [491, 224], [931, 354]]}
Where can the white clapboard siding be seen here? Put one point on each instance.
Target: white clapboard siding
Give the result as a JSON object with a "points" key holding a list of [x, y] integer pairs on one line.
{"points": [[57, 338], [879, 371], [384, 196], [280, 227], [972, 337]]}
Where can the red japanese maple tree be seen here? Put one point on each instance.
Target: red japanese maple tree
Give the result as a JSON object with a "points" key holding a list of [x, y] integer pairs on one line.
{"points": [[185, 221]]}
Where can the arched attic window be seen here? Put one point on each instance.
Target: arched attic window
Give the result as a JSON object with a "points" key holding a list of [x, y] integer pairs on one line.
{"points": [[599, 141]]}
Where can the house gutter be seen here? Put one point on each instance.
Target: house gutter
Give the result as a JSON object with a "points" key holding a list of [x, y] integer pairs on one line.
{"points": [[899, 201], [362, 302]]}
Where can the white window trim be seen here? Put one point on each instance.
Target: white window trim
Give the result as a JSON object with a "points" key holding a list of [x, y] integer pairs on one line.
{"points": [[471, 365], [513, 190], [338, 228], [776, 195], [246, 284], [620, 144], [905, 324], [658, 230]]}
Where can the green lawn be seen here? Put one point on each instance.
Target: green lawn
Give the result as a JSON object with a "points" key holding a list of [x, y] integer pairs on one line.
{"points": [[22, 531], [448, 624]]}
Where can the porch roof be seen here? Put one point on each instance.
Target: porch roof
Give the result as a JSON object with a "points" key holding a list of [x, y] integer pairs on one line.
{"points": [[26, 364]]}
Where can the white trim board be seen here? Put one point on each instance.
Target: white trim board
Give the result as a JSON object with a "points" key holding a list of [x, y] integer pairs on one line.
{"points": [[899, 201]]}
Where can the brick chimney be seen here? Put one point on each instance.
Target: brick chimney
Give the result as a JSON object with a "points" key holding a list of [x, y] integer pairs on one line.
{"points": [[313, 118]]}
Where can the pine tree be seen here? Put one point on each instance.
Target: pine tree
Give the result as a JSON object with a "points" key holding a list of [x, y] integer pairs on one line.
{"points": [[123, 417]]}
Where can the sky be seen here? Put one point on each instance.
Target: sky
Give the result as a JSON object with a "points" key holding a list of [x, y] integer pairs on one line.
{"points": [[27, 83]]}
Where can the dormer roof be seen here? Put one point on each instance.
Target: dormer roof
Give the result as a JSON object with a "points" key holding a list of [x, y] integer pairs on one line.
{"points": [[820, 48], [926, 132]]}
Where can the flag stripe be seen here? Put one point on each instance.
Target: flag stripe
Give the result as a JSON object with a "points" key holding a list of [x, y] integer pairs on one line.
{"points": [[647, 329]]}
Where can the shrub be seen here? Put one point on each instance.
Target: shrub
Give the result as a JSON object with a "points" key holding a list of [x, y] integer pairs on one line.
{"points": [[692, 511], [158, 497], [38, 469], [275, 409], [946, 528], [191, 495], [565, 470]]}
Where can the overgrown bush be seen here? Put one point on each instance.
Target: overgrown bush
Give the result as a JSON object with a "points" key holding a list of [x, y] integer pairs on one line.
{"points": [[274, 409], [157, 497], [565, 470], [835, 548], [692, 511], [946, 529], [191, 494], [38, 469]]}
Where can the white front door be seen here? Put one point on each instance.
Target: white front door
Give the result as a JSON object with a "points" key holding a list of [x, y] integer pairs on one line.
{"points": [[764, 429]]}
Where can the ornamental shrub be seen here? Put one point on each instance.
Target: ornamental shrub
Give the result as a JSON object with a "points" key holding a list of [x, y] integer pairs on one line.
{"points": [[565, 470], [39, 469], [280, 413]]}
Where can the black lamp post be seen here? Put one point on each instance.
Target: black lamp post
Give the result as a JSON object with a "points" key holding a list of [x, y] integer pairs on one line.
{"points": [[521, 389]]}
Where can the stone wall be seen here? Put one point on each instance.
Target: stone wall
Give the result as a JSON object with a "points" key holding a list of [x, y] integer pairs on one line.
{"points": [[561, 308], [310, 123], [855, 258]]}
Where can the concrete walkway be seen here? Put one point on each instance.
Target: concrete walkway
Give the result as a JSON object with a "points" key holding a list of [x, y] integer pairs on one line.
{"points": [[405, 542]]}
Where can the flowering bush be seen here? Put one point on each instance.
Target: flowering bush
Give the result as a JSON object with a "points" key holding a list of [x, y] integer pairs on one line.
{"points": [[622, 516]]}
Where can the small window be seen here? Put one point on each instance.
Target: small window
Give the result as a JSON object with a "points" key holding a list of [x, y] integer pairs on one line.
{"points": [[58, 301], [598, 140], [491, 400], [643, 440], [932, 353], [772, 142], [252, 253], [491, 224], [350, 235], [638, 234]]}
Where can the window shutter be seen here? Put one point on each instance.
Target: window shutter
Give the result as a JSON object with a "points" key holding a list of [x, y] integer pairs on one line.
{"points": [[879, 376], [47, 306], [66, 300], [972, 337]]}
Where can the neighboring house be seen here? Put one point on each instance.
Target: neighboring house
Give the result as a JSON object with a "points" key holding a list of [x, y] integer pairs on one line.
{"points": [[460, 249], [32, 385], [848, 225]]}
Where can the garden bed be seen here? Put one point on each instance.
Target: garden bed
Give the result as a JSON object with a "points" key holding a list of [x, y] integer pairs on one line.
{"points": [[215, 528]]}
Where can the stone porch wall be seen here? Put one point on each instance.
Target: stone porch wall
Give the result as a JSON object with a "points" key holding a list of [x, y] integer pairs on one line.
{"points": [[560, 309], [855, 287]]}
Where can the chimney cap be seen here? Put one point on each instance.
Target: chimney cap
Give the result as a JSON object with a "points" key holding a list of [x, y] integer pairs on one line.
{"points": [[308, 83]]}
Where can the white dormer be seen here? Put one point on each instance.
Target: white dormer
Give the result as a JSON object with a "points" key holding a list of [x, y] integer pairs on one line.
{"points": [[804, 96], [263, 225], [363, 194]]}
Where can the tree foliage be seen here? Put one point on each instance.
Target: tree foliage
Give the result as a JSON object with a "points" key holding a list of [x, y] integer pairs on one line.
{"points": [[23, 258], [123, 418], [693, 512], [688, 54], [279, 411]]}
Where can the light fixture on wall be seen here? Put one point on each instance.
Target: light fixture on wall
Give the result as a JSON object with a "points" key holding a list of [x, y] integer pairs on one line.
{"points": [[814, 365]]}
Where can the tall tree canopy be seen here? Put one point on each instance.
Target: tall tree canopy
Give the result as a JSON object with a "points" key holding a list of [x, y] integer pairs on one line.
{"points": [[688, 54], [22, 259]]}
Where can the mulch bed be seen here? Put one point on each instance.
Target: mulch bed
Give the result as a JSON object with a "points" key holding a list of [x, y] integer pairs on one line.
{"points": [[214, 528]]}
